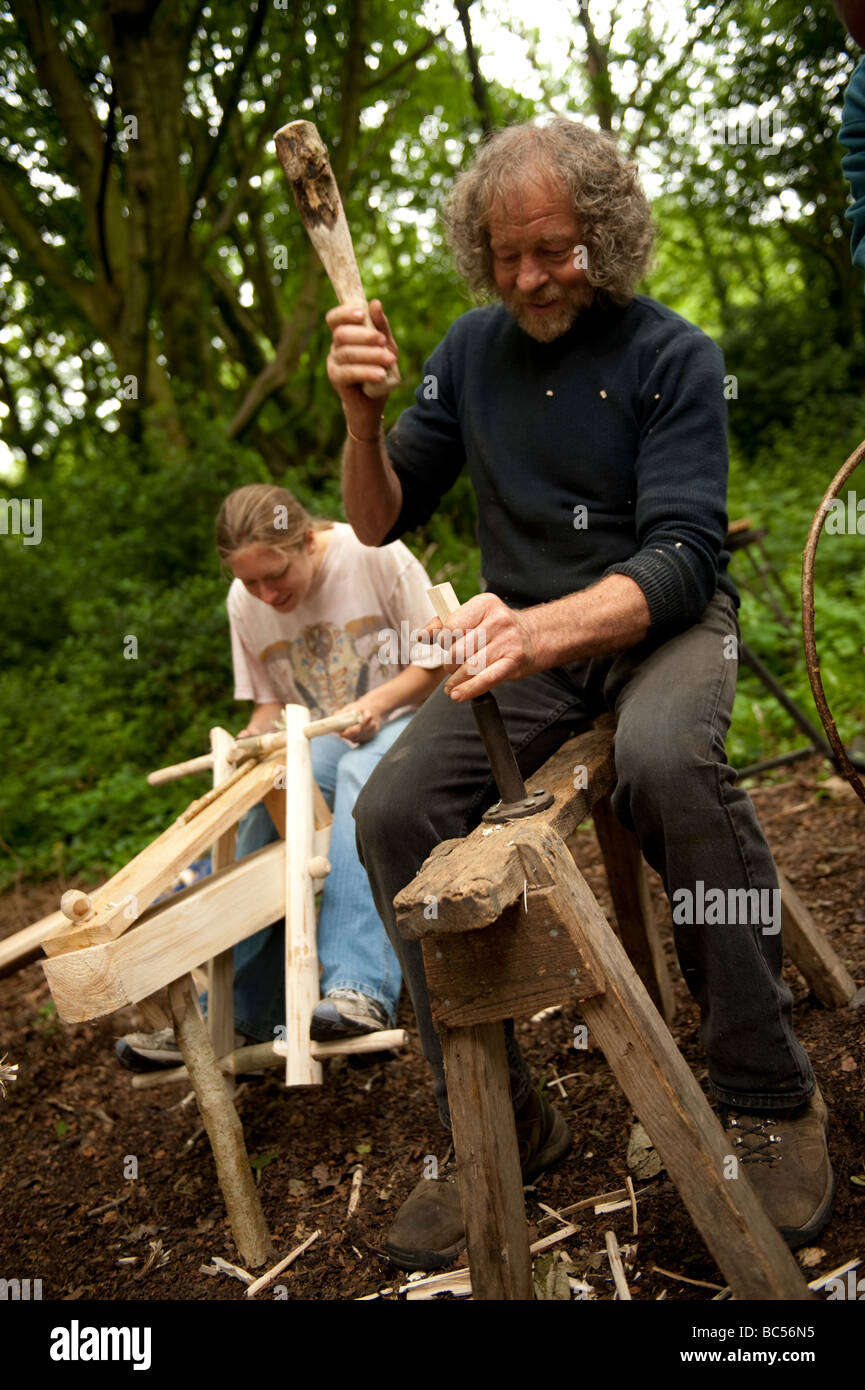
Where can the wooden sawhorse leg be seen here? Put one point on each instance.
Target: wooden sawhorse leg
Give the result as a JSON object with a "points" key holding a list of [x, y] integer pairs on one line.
{"points": [[554, 942], [488, 1162], [626, 875]]}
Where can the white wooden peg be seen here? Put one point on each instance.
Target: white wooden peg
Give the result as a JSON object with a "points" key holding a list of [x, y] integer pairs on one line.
{"points": [[75, 905]]}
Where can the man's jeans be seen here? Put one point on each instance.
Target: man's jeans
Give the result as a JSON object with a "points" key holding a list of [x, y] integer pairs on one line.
{"points": [[352, 945], [673, 704]]}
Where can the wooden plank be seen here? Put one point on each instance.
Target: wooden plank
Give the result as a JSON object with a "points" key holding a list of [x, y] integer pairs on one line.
{"points": [[124, 897], [473, 880], [488, 1163], [220, 969], [520, 964], [274, 804], [665, 1095], [170, 939], [301, 954], [638, 930], [810, 952]]}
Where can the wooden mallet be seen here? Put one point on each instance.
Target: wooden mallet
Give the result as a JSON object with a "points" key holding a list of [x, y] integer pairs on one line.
{"points": [[302, 154]]}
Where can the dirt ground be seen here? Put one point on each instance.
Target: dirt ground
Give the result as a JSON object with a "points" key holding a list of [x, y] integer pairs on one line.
{"points": [[71, 1123]]}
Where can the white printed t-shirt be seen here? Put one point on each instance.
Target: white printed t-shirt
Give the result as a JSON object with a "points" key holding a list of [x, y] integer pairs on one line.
{"points": [[351, 634]]}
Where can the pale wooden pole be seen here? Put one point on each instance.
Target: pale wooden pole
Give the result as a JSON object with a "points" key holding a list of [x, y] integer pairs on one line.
{"points": [[301, 955], [220, 970]]}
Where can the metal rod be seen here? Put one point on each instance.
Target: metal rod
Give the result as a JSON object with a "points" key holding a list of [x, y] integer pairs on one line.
{"points": [[492, 730]]}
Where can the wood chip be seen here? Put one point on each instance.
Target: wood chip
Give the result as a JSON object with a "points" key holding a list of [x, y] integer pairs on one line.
{"points": [[457, 1282], [810, 1255], [268, 1278], [590, 1201], [633, 1196], [683, 1279], [221, 1266], [615, 1258], [546, 1241], [834, 1274], [354, 1195]]}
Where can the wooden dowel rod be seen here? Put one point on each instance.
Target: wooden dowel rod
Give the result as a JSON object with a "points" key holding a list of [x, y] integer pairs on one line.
{"points": [[255, 744], [170, 774], [75, 905], [264, 1056]]}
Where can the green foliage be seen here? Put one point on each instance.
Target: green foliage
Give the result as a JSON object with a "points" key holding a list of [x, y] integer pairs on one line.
{"points": [[780, 488], [752, 246]]}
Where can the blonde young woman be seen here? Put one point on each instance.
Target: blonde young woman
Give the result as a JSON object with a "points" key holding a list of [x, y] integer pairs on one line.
{"points": [[317, 619]]}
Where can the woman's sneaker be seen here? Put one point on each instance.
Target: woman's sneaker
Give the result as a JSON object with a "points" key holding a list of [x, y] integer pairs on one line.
{"points": [[150, 1051], [346, 1013]]}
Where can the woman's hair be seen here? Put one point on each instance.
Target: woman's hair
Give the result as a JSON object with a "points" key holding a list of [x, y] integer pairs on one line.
{"points": [[612, 211], [262, 514]]}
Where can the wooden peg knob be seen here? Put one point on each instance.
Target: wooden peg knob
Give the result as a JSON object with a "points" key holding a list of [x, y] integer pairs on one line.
{"points": [[319, 867], [75, 905]]}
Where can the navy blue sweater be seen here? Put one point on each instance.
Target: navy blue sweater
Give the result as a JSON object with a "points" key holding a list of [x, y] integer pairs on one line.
{"points": [[603, 452]]}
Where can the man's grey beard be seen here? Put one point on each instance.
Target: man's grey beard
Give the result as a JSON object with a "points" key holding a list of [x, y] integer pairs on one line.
{"points": [[570, 304]]}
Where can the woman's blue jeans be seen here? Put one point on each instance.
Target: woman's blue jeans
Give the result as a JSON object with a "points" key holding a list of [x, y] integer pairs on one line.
{"points": [[353, 947]]}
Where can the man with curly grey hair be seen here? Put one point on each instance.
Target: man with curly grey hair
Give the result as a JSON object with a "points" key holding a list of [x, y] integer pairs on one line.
{"points": [[593, 424]]}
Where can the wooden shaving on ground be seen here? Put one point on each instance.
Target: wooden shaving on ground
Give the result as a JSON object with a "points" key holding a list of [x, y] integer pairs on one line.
{"points": [[257, 1285], [618, 1269], [221, 1266], [683, 1279], [834, 1274], [354, 1195]]}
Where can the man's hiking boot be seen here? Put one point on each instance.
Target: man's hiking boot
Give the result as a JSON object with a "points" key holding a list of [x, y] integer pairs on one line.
{"points": [[345, 1013], [149, 1051], [788, 1165], [429, 1231]]}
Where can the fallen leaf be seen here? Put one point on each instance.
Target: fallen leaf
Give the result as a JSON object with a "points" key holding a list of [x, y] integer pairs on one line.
{"points": [[847, 1064], [837, 787], [642, 1159], [550, 1279], [297, 1188], [810, 1255]]}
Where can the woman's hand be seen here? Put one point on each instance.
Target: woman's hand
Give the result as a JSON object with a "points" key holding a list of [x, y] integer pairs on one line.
{"points": [[264, 720], [367, 726]]}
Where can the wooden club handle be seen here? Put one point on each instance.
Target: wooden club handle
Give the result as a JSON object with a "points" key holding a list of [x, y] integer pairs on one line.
{"points": [[303, 156], [443, 599]]}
